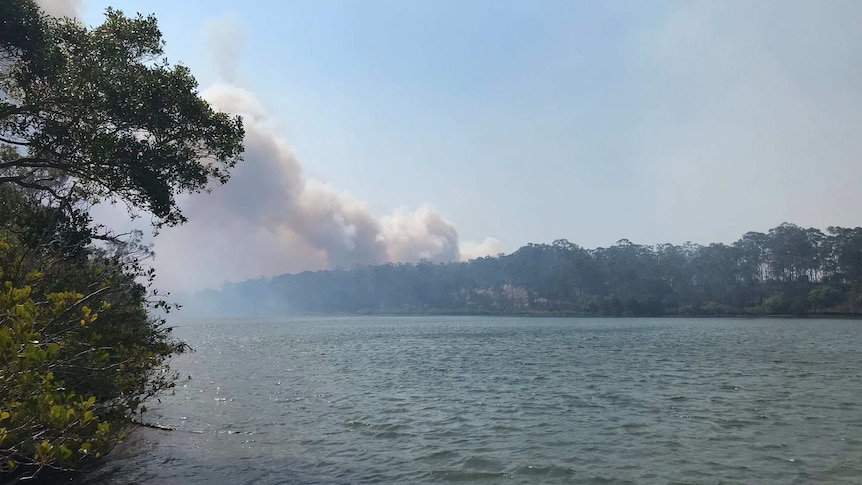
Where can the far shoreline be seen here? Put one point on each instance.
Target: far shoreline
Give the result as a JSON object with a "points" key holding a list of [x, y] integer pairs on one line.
{"points": [[741, 316]]}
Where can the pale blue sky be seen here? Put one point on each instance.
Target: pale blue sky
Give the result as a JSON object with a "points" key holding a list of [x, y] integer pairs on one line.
{"points": [[529, 121]]}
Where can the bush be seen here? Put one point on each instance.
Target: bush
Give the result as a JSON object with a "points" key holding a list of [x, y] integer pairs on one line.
{"points": [[88, 114], [824, 296], [776, 305], [78, 356], [715, 308]]}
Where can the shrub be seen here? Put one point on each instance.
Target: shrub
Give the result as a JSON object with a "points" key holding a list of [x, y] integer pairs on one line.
{"points": [[78, 356]]}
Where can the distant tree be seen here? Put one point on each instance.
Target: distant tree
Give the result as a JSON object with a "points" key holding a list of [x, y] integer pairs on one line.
{"points": [[790, 270], [844, 254], [794, 252], [716, 268], [753, 261], [823, 297]]}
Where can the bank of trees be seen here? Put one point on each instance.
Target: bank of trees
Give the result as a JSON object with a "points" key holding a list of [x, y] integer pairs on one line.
{"points": [[787, 270], [88, 115]]}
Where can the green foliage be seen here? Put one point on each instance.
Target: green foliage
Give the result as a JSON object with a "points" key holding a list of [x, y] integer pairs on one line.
{"points": [[78, 356], [824, 296], [715, 308], [788, 270], [776, 305], [88, 114], [102, 107]]}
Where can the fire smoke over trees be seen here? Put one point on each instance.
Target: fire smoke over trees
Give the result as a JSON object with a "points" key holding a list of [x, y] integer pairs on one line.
{"points": [[273, 218]]}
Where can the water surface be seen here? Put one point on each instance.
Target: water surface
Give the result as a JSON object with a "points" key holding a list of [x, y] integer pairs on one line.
{"points": [[506, 400]]}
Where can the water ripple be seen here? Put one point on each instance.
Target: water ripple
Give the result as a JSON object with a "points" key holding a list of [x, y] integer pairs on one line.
{"points": [[511, 400]]}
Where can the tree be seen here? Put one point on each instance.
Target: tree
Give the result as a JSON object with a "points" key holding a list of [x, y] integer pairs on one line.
{"points": [[102, 109], [754, 263], [88, 114], [845, 254], [78, 356]]}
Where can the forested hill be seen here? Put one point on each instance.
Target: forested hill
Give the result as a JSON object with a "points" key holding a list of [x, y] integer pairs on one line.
{"points": [[788, 270]]}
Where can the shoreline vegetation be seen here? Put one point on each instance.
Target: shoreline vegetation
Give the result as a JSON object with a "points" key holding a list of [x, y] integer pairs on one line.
{"points": [[540, 314], [89, 115], [787, 271]]}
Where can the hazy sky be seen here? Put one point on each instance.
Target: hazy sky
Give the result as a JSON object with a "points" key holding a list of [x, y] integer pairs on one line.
{"points": [[420, 129]]}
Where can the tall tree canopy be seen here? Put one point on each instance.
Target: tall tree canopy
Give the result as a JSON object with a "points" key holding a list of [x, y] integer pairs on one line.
{"points": [[789, 270], [103, 109], [88, 114]]}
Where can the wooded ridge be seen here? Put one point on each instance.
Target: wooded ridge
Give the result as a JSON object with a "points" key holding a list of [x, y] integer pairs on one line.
{"points": [[788, 270]]}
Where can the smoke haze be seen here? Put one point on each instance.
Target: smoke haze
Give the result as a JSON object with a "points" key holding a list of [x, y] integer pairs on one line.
{"points": [[271, 218], [226, 36], [755, 117], [61, 8], [659, 123]]}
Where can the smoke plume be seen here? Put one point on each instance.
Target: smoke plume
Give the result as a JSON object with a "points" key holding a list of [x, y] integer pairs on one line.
{"points": [[472, 250], [226, 35], [271, 218], [61, 8]]}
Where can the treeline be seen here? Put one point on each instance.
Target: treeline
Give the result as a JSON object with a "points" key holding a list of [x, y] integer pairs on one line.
{"points": [[789, 270]]}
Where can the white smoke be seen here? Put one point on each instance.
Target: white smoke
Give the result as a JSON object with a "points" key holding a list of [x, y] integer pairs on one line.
{"points": [[226, 36], [61, 8], [271, 218], [472, 250], [417, 235]]}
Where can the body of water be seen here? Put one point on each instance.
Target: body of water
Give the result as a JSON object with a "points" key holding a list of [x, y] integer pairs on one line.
{"points": [[339, 400]]}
